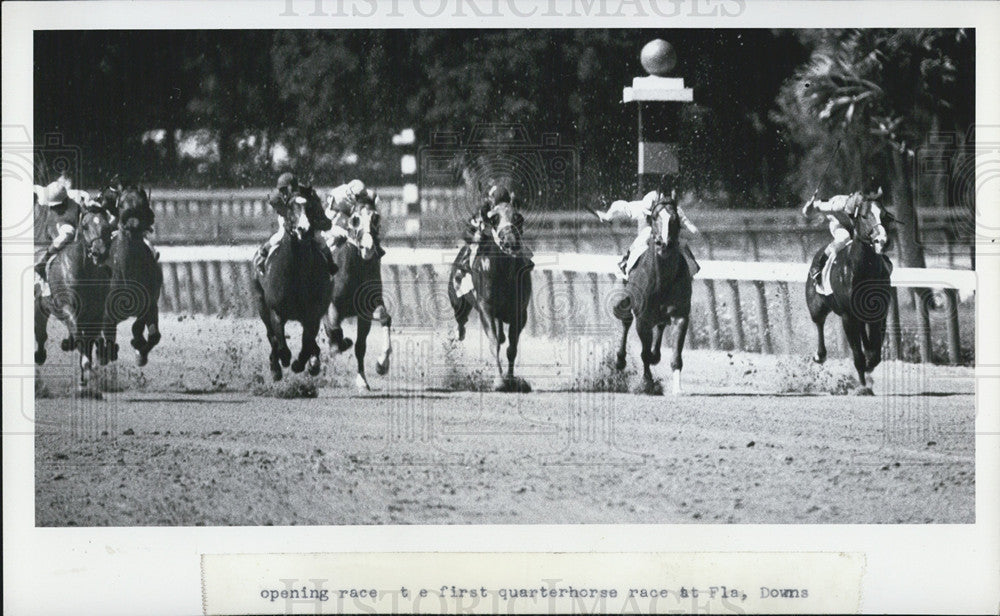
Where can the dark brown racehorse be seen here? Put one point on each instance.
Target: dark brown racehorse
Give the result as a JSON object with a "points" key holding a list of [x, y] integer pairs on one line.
{"points": [[859, 279], [136, 278], [295, 286], [78, 280], [357, 292], [501, 279], [658, 292]]}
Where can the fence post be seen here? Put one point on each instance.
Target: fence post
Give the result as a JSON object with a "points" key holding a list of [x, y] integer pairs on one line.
{"points": [[432, 283], [168, 297], [713, 316], [786, 306], [892, 326], [397, 286], [595, 289], [763, 322], [924, 298], [954, 344], [737, 315]]}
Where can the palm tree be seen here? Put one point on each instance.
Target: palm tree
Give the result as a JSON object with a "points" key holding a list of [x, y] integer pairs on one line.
{"points": [[895, 87]]}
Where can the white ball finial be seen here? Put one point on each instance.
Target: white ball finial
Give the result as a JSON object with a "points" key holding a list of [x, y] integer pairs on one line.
{"points": [[658, 57]]}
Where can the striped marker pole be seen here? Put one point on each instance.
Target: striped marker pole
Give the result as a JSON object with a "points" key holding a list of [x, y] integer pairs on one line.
{"points": [[406, 139]]}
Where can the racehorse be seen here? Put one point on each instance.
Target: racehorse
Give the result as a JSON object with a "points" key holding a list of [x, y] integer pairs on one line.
{"points": [[859, 279], [78, 282], [136, 279], [295, 286], [357, 292], [501, 278], [658, 291]]}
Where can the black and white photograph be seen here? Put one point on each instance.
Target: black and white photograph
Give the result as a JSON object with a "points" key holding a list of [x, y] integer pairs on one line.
{"points": [[355, 275]]}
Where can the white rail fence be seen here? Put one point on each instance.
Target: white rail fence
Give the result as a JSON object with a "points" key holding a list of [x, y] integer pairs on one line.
{"points": [[574, 294]]}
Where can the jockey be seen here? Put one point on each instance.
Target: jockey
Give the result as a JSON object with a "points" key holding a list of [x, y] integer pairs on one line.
{"points": [[473, 235], [841, 210], [61, 220], [288, 185], [641, 212], [107, 201], [341, 203]]}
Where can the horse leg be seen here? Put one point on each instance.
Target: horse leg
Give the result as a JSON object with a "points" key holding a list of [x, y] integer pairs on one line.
{"points": [[83, 348], [873, 350], [265, 315], [360, 346], [152, 327], [283, 353], [109, 340], [818, 311], [852, 328], [310, 328], [657, 343], [385, 320], [645, 332], [139, 342], [677, 363], [41, 330], [334, 331], [512, 339], [626, 324]]}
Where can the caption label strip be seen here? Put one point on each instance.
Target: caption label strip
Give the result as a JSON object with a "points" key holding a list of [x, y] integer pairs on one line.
{"points": [[518, 583]]}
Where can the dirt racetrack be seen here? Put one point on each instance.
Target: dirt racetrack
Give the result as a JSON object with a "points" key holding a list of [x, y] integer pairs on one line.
{"points": [[198, 438]]}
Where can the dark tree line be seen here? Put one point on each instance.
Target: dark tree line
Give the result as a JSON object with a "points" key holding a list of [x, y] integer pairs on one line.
{"points": [[755, 137]]}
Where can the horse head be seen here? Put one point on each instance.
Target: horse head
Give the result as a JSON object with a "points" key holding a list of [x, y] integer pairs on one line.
{"points": [[95, 231], [363, 229], [665, 225], [296, 219], [131, 199], [508, 226]]}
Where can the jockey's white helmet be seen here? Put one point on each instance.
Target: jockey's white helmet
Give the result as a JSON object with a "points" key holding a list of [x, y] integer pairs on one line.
{"points": [[54, 194], [355, 187]]}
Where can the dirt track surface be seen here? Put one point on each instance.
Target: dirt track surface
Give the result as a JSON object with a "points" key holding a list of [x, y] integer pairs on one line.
{"points": [[735, 449]]}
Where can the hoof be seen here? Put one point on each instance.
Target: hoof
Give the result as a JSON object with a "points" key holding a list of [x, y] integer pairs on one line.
{"points": [[620, 363], [818, 359], [285, 357], [511, 385], [461, 331], [40, 356], [650, 387], [313, 365], [655, 359], [275, 372], [382, 369], [361, 383], [344, 344], [864, 391], [66, 345], [298, 366]]}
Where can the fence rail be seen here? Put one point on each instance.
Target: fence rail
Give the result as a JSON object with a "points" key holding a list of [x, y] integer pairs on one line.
{"points": [[574, 293], [236, 216]]}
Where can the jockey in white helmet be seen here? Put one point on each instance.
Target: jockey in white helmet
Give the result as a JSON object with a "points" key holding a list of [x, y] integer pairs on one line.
{"points": [[840, 211]]}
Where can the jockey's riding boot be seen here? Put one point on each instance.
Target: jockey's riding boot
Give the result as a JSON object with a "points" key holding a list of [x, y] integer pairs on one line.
{"points": [[40, 266], [817, 276], [623, 265], [260, 258]]}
